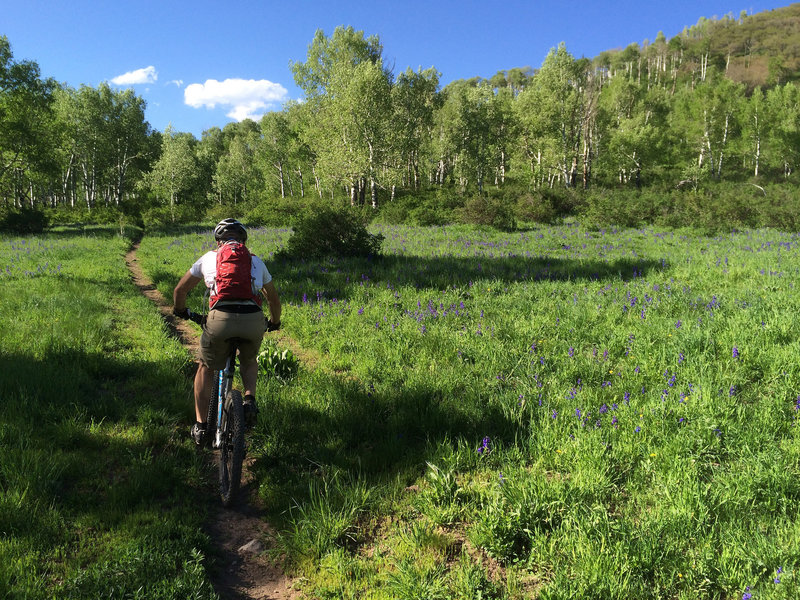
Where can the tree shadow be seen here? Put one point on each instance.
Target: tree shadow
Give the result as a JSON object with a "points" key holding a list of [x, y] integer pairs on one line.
{"points": [[362, 437], [339, 278], [66, 409]]}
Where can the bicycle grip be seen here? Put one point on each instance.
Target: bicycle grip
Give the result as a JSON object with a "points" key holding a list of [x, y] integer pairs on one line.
{"points": [[196, 317]]}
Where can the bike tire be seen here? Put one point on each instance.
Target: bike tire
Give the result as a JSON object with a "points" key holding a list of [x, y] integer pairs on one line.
{"points": [[231, 451]]}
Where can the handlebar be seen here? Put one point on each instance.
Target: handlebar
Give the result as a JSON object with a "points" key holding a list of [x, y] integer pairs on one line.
{"points": [[201, 319], [196, 317], [190, 315]]}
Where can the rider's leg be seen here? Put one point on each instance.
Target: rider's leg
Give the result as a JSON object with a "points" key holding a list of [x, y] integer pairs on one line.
{"points": [[249, 372], [203, 382]]}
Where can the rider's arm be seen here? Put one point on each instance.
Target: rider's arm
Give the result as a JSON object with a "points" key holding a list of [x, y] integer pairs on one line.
{"points": [[185, 285], [274, 302]]}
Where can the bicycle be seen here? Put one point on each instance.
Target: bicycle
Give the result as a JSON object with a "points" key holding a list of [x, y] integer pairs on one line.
{"points": [[226, 423]]}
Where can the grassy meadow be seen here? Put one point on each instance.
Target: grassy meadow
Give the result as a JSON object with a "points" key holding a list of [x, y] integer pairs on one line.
{"points": [[101, 492], [551, 413]]}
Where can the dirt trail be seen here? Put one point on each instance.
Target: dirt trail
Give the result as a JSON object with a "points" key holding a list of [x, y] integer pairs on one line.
{"points": [[240, 534]]}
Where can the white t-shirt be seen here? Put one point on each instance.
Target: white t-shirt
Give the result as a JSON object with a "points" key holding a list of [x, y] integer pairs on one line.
{"points": [[206, 268]]}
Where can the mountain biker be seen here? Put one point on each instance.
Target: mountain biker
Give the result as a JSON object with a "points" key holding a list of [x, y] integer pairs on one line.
{"points": [[227, 318]]}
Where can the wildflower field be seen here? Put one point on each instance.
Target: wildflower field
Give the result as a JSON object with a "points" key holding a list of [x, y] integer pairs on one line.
{"points": [[551, 413]]}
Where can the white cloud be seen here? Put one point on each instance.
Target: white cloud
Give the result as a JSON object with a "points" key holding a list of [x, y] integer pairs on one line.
{"points": [[175, 82], [248, 98], [146, 75]]}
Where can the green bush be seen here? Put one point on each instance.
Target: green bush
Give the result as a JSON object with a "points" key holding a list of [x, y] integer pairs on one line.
{"points": [[535, 207], [166, 215], [23, 221], [330, 231], [482, 210], [624, 208], [397, 211], [275, 212]]}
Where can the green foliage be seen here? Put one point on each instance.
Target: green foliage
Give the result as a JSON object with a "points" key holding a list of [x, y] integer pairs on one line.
{"points": [[23, 221], [280, 364], [335, 232], [277, 212], [327, 519], [713, 208], [159, 215], [99, 496], [536, 208], [487, 210]]}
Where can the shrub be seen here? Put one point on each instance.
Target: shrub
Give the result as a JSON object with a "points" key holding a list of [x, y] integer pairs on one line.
{"points": [[397, 211], [496, 212], [23, 221], [275, 212], [331, 231], [155, 216], [535, 207]]}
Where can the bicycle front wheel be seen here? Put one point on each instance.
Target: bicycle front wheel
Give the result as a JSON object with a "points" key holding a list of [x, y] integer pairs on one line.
{"points": [[231, 451]]}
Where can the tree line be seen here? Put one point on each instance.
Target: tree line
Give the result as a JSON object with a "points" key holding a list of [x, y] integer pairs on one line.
{"points": [[662, 114]]}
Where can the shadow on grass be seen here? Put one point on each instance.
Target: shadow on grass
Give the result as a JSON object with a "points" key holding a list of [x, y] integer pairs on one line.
{"points": [[92, 438], [340, 278], [341, 431]]}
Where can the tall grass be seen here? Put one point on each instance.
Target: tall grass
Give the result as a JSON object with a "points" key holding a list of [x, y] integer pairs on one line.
{"points": [[98, 485], [558, 413]]}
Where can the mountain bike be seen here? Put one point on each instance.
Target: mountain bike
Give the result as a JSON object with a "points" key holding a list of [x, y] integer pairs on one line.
{"points": [[226, 423]]}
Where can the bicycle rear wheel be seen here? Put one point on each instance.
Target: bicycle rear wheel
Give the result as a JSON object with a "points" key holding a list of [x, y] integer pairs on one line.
{"points": [[231, 451]]}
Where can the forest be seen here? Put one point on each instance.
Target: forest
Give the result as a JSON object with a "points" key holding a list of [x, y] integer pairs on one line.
{"points": [[702, 128]]}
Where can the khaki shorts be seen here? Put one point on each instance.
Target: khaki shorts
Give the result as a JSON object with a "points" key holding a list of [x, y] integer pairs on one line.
{"points": [[222, 326]]}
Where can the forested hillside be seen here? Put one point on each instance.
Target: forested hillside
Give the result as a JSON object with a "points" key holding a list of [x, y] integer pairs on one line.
{"points": [[713, 111]]}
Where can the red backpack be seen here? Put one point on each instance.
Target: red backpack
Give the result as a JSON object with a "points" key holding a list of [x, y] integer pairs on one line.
{"points": [[234, 280]]}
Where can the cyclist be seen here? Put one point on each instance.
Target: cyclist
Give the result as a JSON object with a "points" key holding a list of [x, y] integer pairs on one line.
{"points": [[240, 318]]}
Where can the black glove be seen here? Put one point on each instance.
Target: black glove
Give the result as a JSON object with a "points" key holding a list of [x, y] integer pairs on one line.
{"points": [[272, 326], [183, 314]]}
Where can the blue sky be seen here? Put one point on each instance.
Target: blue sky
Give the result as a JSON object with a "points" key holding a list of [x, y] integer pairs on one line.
{"points": [[203, 63]]}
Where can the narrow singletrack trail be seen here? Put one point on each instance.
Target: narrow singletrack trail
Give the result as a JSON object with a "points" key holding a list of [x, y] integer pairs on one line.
{"points": [[240, 534]]}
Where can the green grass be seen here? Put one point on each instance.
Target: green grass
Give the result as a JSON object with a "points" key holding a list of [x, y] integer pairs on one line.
{"points": [[101, 494], [553, 413]]}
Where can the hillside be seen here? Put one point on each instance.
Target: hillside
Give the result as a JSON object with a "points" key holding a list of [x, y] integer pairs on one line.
{"points": [[757, 50]]}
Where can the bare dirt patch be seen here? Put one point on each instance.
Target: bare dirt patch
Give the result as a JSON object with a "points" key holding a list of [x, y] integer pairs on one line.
{"points": [[240, 534]]}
